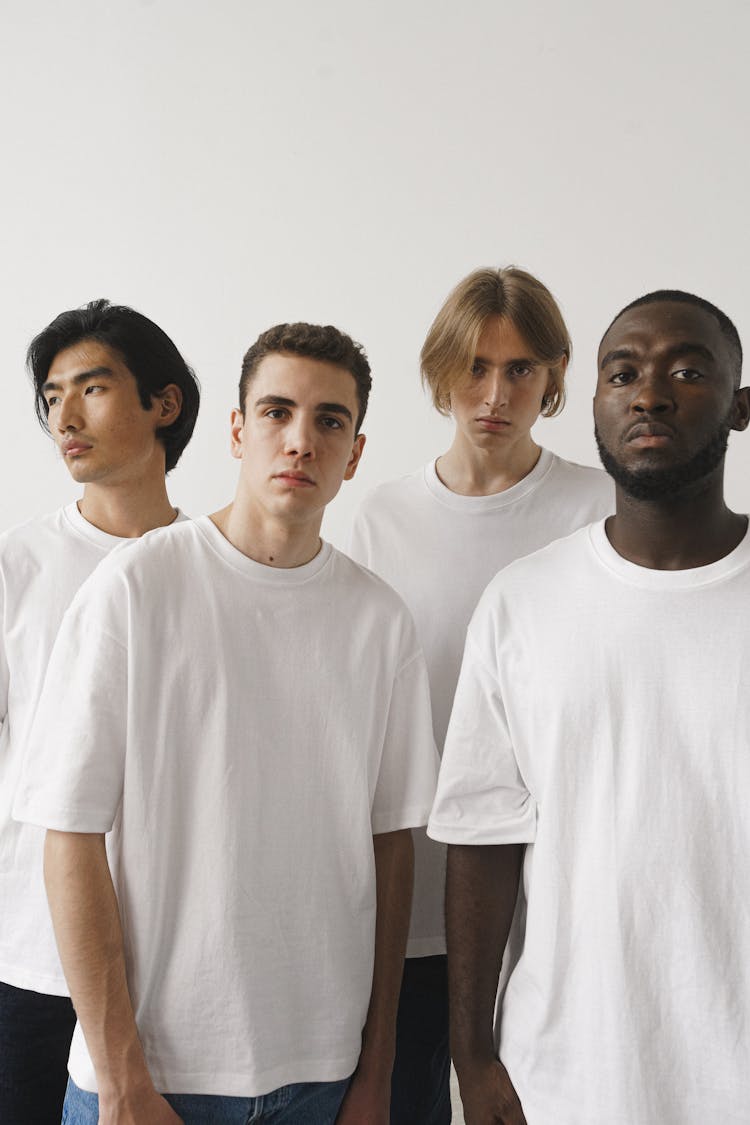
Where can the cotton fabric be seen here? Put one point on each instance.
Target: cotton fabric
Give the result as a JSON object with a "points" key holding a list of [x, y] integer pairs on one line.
{"points": [[439, 550], [602, 718], [243, 730]]}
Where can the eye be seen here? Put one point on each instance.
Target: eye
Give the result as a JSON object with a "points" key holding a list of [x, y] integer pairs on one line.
{"points": [[521, 370], [621, 378], [477, 369], [329, 422], [91, 387], [52, 400], [275, 413], [687, 375]]}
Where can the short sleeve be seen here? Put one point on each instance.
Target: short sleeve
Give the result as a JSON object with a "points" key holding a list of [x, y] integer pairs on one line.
{"points": [[74, 761], [407, 777], [481, 795]]}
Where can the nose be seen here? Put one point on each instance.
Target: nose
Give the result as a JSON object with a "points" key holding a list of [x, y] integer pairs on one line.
{"points": [[653, 395], [68, 415], [300, 438], [495, 389]]}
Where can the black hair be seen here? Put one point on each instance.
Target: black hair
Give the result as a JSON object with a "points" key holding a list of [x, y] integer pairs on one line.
{"points": [[679, 296], [147, 351]]}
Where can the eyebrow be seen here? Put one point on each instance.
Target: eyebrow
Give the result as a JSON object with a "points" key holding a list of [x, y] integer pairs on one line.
{"points": [[321, 408], [685, 347], [509, 362], [81, 377]]}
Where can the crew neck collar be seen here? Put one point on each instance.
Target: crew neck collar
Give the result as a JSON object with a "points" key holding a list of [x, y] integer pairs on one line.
{"points": [[259, 572], [649, 578], [494, 500]]}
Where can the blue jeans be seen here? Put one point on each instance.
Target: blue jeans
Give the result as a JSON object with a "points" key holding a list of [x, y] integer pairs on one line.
{"points": [[420, 1086], [35, 1034], [304, 1103]]}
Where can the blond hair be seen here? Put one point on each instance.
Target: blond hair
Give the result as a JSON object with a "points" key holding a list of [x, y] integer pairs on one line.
{"points": [[450, 348]]}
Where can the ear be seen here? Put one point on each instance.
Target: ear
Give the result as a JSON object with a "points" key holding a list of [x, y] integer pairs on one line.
{"points": [[359, 445], [741, 409], [168, 403], [237, 433]]}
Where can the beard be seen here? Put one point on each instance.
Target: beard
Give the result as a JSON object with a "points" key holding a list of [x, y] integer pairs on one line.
{"points": [[663, 484]]}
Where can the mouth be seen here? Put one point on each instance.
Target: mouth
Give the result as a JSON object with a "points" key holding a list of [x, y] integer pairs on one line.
{"points": [[295, 480], [492, 422], [649, 435], [75, 448]]}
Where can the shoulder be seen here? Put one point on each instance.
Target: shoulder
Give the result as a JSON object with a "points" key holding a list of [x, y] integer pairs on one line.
{"points": [[401, 492], [586, 477], [370, 598], [542, 573], [28, 536]]}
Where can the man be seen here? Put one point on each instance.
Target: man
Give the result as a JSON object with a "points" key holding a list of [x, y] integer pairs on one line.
{"points": [[121, 403], [495, 358], [601, 726], [249, 711]]}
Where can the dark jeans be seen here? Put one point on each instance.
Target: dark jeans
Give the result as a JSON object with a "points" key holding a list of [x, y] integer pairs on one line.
{"points": [[420, 1089], [35, 1034]]}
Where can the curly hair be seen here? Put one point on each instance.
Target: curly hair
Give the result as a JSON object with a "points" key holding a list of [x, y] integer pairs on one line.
{"points": [[314, 341]]}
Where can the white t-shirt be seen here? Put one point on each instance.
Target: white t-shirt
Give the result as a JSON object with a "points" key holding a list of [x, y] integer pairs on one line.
{"points": [[244, 730], [42, 565], [439, 550], [603, 716]]}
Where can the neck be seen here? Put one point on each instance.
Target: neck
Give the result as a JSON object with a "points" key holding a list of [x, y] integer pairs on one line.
{"points": [[127, 510], [472, 470], [690, 530], [266, 539]]}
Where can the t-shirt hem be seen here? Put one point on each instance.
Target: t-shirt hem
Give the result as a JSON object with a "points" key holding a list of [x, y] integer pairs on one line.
{"points": [[473, 834], [60, 820], [414, 817], [33, 982], [425, 947], [233, 1085]]}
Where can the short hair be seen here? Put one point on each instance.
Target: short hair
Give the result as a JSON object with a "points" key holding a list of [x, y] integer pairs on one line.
{"points": [[514, 295], [313, 341], [680, 297], [148, 353]]}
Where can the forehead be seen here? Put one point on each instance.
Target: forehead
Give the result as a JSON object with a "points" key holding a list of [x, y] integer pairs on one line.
{"points": [[86, 355], [499, 336], [663, 325], [307, 381]]}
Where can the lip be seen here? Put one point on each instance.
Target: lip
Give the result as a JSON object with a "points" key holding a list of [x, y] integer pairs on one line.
{"points": [[492, 422], [74, 448], [649, 435], [295, 480]]}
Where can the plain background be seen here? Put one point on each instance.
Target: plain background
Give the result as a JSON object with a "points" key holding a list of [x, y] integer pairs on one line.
{"points": [[224, 167]]}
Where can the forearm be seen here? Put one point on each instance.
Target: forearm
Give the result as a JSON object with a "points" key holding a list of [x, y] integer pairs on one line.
{"points": [[89, 937], [481, 892], [394, 875]]}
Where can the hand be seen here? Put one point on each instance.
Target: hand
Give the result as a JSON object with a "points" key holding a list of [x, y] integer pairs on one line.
{"points": [[488, 1096], [146, 1107], [365, 1103]]}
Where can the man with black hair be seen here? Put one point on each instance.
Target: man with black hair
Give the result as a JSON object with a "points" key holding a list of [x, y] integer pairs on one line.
{"points": [[258, 733], [599, 743], [120, 403]]}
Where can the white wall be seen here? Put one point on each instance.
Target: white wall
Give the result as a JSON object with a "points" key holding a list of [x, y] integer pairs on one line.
{"points": [[223, 167]]}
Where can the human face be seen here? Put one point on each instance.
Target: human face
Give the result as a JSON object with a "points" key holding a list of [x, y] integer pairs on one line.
{"points": [[665, 400], [96, 417], [296, 436], [501, 397]]}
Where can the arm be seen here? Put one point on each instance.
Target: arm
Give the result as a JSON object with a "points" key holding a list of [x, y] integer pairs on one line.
{"points": [[368, 1099], [481, 891], [89, 936]]}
